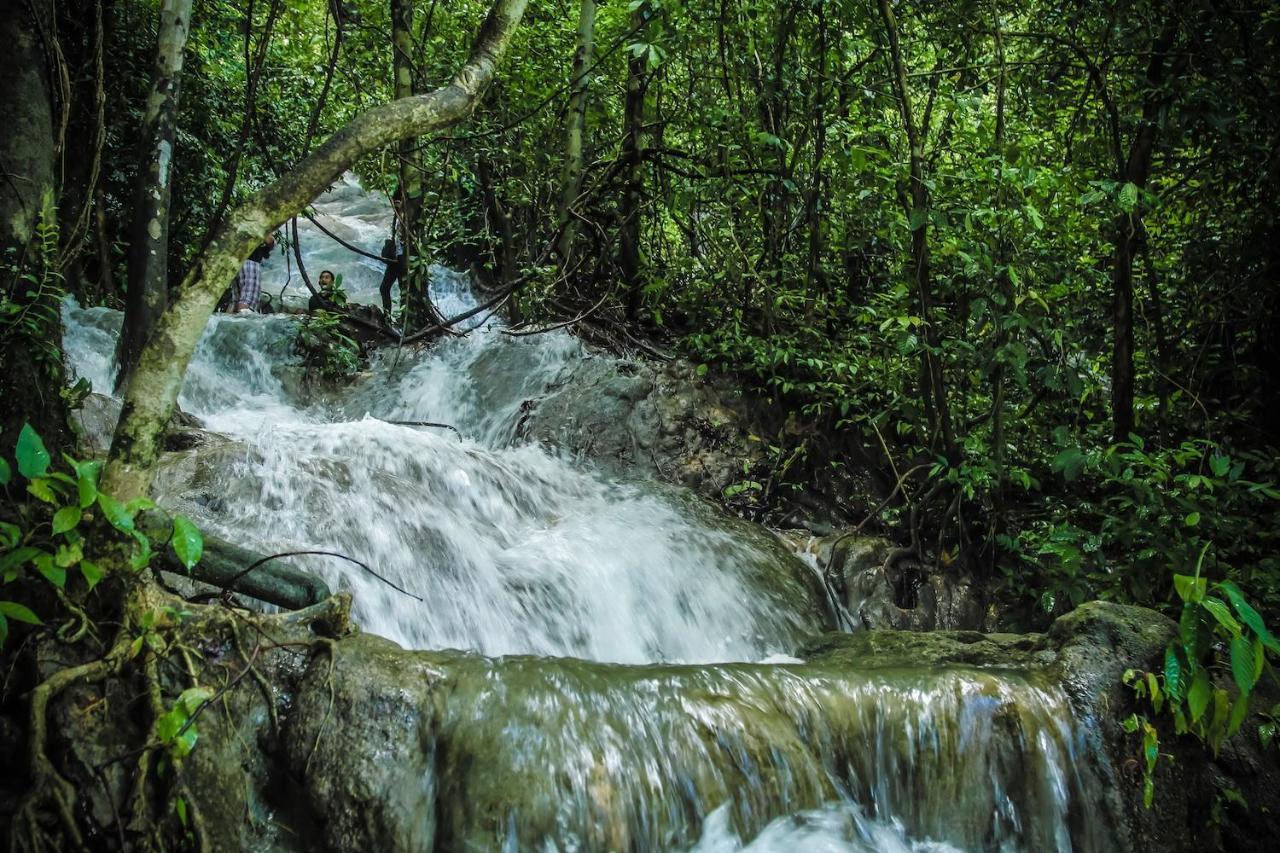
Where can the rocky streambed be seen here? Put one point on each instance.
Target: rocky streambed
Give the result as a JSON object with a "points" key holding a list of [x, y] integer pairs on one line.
{"points": [[563, 647]]}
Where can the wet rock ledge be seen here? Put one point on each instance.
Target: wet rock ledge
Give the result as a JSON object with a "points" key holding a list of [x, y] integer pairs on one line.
{"points": [[344, 741]]}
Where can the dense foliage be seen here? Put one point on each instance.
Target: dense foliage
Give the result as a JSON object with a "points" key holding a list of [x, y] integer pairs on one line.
{"points": [[1010, 266]]}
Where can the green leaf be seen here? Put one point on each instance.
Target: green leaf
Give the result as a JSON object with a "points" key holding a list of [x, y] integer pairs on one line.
{"points": [[1070, 462], [193, 697], [1192, 519], [42, 489], [4, 629], [17, 557], [1198, 695], [14, 610], [1172, 674], [1128, 198], [1242, 664], [1248, 615], [33, 459], [188, 544], [87, 481], [88, 492], [116, 513], [66, 519], [1190, 588], [55, 575], [1219, 609], [6, 474], [92, 574], [1239, 711]]}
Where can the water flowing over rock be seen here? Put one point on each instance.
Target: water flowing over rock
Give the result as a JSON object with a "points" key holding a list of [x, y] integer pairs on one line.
{"points": [[578, 656]]}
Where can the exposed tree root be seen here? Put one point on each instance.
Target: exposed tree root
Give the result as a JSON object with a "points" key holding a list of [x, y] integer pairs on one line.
{"points": [[50, 793]]}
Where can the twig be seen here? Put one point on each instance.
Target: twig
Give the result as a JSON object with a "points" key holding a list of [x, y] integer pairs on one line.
{"points": [[426, 424], [230, 583]]}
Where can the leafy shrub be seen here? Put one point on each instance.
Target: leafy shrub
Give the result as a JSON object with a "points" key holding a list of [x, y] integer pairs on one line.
{"points": [[1135, 511], [325, 347], [50, 538], [1213, 635]]}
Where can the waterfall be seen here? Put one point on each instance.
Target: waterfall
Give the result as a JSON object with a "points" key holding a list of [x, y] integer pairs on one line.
{"points": [[510, 548]]}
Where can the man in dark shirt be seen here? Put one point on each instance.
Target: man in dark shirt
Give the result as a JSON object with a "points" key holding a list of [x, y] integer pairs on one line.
{"points": [[330, 297]]}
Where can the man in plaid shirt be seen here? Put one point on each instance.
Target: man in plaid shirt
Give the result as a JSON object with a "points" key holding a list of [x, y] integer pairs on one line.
{"points": [[248, 286]]}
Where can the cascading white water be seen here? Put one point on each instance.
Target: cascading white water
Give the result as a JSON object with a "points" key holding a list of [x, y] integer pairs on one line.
{"points": [[512, 548], [515, 549]]}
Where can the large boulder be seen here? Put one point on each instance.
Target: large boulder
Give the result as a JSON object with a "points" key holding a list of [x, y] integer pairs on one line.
{"points": [[657, 418]]}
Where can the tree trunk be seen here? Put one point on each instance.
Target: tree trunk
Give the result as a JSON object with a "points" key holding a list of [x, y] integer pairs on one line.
{"points": [[148, 288], [413, 295], [934, 390], [814, 201], [633, 156], [29, 377], [1137, 171], [573, 162], [152, 392]]}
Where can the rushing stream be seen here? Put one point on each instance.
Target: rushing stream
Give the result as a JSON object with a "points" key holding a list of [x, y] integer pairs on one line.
{"points": [[515, 549]]}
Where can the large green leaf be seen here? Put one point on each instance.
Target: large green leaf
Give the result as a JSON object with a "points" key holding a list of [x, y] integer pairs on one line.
{"points": [[1248, 615], [1198, 695], [66, 519], [1221, 612], [33, 459], [188, 544], [54, 574], [116, 513], [1190, 588], [1242, 664], [21, 613]]}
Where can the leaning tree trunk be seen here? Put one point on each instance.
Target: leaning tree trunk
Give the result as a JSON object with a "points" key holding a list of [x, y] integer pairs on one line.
{"points": [[573, 163], [152, 391], [148, 288], [28, 382]]}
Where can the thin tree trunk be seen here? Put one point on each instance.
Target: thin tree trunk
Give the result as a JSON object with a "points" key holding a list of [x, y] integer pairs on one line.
{"points": [[1006, 288], [148, 284], [106, 286], [816, 284], [933, 390], [573, 162], [1137, 171], [633, 156], [409, 193], [152, 391], [254, 65]]}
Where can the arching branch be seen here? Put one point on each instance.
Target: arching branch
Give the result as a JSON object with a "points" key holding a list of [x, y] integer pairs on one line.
{"points": [[152, 392]]}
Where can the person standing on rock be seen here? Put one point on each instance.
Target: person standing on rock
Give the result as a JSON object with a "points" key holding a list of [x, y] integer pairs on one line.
{"points": [[248, 285], [393, 255]]}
